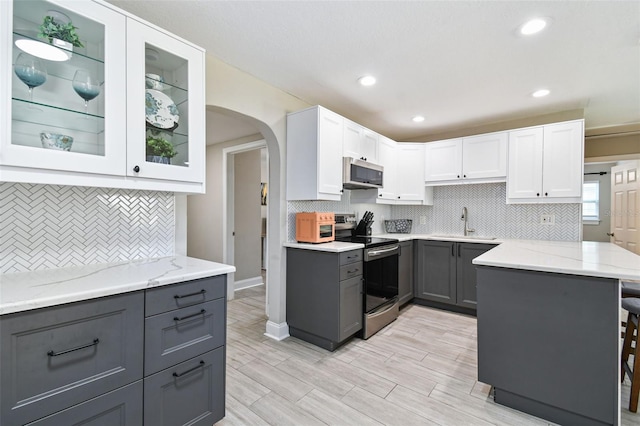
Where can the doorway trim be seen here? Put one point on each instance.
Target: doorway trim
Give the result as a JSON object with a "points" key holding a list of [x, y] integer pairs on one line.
{"points": [[227, 208]]}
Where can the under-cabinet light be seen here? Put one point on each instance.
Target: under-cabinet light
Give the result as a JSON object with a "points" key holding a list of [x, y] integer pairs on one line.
{"points": [[43, 50]]}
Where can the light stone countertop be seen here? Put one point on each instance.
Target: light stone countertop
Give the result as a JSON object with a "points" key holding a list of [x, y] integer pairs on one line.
{"points": [[338, 247], [23, 291], [588, 258], [333, 246]]}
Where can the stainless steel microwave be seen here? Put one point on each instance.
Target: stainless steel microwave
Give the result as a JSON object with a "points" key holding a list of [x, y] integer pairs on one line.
{"points": [[360, 174]]}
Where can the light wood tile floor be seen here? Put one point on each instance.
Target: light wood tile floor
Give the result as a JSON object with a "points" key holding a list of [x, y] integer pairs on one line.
{"points": [[419, 370]]}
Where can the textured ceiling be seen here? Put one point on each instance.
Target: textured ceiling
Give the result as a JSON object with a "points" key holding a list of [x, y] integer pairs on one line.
{"points": [[458, 63]]}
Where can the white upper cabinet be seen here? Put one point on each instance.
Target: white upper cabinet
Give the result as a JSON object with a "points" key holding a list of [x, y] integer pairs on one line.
{"points": [[164, 105], [388, 160], [546, 163], [481, 158], [360, 142], [443, 160], [410, 176], [485, 156], [314, 154], [89, 139], [85, 117]]}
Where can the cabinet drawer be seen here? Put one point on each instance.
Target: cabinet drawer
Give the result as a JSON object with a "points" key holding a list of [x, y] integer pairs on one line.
{"points": [[121, 407], [189, 393], [350, 257], [176, 296], [56, 357], [178, 335], [350, 270]]}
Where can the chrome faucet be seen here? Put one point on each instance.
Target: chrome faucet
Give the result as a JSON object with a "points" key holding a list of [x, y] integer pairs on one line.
{"points": [[464, 217]]}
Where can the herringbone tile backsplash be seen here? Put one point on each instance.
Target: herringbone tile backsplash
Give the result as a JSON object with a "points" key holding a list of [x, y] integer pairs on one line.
{"points": [[49, 226]]}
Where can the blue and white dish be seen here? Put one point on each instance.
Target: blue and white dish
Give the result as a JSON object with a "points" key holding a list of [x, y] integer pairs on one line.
{"points": [[56, 141], [160, 110], [154, 81]]}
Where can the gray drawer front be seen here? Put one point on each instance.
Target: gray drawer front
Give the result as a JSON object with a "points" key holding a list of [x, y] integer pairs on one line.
{"points": [[38, 378], [350, 270], [195, 398], [350, 257], [121, 407], [163, 299], [169, 341]]}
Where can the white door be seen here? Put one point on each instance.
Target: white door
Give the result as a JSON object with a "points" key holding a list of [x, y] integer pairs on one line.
{"points": [[625, 205], [351, 141], [443, 160], [388, 160], [524, 167]]}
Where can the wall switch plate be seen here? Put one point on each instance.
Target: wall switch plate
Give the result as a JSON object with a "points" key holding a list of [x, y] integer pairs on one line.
{"points": [[548, 219], [423, 220]]}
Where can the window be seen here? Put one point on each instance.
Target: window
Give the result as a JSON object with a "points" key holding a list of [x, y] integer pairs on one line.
{"points": [[591, 202]]}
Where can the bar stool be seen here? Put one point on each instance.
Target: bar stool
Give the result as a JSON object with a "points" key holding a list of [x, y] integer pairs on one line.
{"points": [[630, 289], [632, 305]]}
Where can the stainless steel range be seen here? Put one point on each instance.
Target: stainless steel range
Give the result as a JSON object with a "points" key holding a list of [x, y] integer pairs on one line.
{"points": [[380, 271]]}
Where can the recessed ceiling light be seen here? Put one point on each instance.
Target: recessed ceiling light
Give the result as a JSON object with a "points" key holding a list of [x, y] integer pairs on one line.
{"points": [[533, 26], [418, 119], [367, 80], [540, 93]]}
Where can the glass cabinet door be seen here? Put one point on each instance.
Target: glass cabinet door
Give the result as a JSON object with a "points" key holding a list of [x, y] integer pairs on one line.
{"points": [[66, 101], [165, 103]]}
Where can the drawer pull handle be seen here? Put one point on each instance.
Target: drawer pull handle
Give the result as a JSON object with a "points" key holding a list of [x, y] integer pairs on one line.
{"points": [[351, 272], [202, 311], [189, 370], [197, 293], [94, 343]]}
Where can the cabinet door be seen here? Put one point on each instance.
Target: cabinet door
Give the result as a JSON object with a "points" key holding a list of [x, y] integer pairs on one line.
{"points": [[60, 356], [405, 272], [524, 170], [388, 160], [436, 271], [190, 393], [351, 312], [330, 134], [443, 160], [360, 142], [121, 407], [466, 272], [563, 160], [165, 106], [410, 172], [485, 156], [50, 127]]}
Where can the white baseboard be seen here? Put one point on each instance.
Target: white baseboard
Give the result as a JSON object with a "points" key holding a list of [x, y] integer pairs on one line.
{"points": [[277, 331], [249, 282]]}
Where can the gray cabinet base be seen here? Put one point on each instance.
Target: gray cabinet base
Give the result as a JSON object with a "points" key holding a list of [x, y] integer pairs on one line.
{"points": [[315, 340], [542, 410], [444, 306], [549, 343]]}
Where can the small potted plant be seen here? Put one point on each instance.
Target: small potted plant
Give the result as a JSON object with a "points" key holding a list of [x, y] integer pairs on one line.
{"points": [[159, 150], [60, 33]]}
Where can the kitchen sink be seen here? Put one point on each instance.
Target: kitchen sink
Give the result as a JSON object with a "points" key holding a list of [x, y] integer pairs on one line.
{"points": [[462, 237]]}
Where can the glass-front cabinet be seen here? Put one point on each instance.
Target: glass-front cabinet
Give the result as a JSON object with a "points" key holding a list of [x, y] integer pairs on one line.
{"points": [[97, 97], [166, 108]]}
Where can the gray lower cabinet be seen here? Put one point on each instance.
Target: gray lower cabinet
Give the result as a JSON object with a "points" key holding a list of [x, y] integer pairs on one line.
{"points": [[82, 362], [324, 296], [57, 357], [190, 393], [445, 273], [405, 272], [121, 407], [185, 334]]}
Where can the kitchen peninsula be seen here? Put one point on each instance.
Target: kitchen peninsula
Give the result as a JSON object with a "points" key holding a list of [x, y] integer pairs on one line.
{"points": [[549, 330]]}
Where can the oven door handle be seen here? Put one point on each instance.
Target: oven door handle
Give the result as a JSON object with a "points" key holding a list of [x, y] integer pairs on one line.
{"points": [[373, 253]]}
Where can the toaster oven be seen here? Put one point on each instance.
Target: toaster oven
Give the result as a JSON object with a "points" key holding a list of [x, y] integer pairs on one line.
{"points": [[315, 227]]}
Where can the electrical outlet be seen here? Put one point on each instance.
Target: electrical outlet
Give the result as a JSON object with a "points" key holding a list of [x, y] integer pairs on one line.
{"points": [[548, 219], [423, 220]]}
